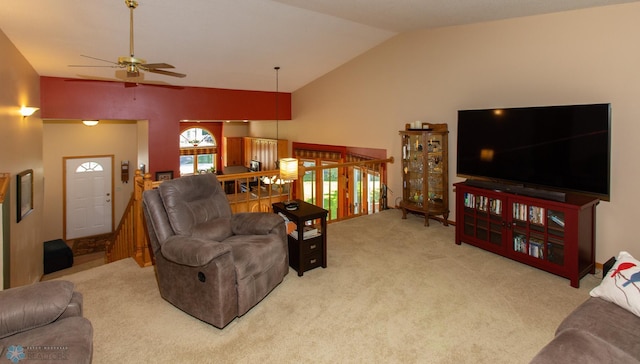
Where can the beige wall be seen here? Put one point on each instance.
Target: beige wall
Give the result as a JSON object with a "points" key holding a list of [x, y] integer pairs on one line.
{"points": [[587, 56], [234, 129], [70, 138], [21, 149], [143, 146]]}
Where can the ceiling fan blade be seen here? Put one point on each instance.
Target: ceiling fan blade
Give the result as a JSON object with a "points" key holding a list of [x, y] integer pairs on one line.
{"points": [[98, 59], [156, 65], [167, 73], [85, 65]]}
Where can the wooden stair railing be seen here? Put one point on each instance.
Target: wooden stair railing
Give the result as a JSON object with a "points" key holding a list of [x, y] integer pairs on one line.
{"points": [[119, 246], [130, 238]]}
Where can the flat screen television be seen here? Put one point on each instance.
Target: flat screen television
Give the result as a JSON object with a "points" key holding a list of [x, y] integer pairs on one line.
{"points": [[555, 148]]}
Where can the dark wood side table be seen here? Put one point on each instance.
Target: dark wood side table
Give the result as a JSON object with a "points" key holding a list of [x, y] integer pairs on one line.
{"points": [[309, 253]]}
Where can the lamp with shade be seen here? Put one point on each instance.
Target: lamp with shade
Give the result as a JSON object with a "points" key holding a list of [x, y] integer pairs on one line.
{"points": [[289, 173]]}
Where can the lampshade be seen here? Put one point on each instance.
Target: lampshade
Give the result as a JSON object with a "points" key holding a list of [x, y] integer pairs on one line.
{"points": [[90, 122], [289, 169]]}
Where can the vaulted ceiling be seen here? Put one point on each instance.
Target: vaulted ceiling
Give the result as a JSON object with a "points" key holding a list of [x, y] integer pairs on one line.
{"points": [[235, 44]]}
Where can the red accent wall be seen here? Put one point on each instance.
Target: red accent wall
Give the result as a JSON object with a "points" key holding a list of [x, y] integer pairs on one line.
{"points": [[163, 106]]}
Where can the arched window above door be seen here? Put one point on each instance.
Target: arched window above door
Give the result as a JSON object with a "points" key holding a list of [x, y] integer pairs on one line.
{"points": [[89, 167], [198, 149], [196, 137]]}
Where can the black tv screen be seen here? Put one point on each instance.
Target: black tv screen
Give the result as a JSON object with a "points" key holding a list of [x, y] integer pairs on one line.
{"points": [[560, 148]]}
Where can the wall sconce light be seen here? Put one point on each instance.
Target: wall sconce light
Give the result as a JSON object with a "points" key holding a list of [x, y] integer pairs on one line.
{"points": [[28, 111], [90, 122]]}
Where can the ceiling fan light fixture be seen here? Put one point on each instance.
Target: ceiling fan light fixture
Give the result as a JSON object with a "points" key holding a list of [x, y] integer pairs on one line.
{"points": [[90, 122]]}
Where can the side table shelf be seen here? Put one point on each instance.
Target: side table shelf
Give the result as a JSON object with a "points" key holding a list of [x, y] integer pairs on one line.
{"points": [[309, 253]]}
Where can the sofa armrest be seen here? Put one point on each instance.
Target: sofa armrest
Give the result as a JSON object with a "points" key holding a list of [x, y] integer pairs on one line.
{"points": [[578, 346], [256, 223], [74, 308], [27, 307], [193, 252]]}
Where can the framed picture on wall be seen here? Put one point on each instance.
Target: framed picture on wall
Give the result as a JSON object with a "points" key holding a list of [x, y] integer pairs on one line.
{"points": [[25, 193], [164, 175]]}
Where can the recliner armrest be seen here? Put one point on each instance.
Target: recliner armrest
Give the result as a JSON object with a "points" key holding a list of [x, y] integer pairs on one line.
{"points": [[27, 307], [74, 308], [255, 223], [193, 252]]}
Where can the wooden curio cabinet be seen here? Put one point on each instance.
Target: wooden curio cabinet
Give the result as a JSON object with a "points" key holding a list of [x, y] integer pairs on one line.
{"points": [[425, 186]]}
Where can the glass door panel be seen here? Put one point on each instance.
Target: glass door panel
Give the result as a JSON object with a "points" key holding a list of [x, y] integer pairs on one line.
{"points": [[357, 191], [309, 183], [330, 190]]}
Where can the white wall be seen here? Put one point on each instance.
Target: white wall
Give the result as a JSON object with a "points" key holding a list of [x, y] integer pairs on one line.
{"points": [[586, 56]]}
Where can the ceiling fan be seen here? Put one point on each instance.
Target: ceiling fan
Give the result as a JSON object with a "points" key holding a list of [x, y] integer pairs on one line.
{"points": [[131, 64]]}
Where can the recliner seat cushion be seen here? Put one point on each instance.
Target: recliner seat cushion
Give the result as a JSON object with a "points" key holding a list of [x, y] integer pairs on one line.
{"points": [[191, 251], [254, 254]]}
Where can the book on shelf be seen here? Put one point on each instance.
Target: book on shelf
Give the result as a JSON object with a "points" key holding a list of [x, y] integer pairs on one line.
{"points": [[307, 232], [556, 219], [290, 225], [469, 200], [536, 215], [533, 247], [520, 243], [496, 207], [536, 248]]}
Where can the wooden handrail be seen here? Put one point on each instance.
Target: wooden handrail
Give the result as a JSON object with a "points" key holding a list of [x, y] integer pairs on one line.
{"points": [[119, 247], [302, 168], [247, 192], [129, 239]]}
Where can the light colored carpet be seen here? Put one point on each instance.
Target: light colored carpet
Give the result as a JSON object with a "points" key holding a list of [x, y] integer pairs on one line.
{"points": [[394, 291]]}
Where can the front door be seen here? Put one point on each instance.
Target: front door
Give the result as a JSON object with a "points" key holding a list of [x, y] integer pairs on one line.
{"points": [[88, 196]]}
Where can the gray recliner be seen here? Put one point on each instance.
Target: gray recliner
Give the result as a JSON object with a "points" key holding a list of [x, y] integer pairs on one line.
{"points": [[210, 263], [43, 321]]}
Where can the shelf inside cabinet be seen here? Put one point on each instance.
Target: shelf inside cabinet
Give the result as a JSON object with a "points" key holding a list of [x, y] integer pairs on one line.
{"points": [[424, 172]]}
